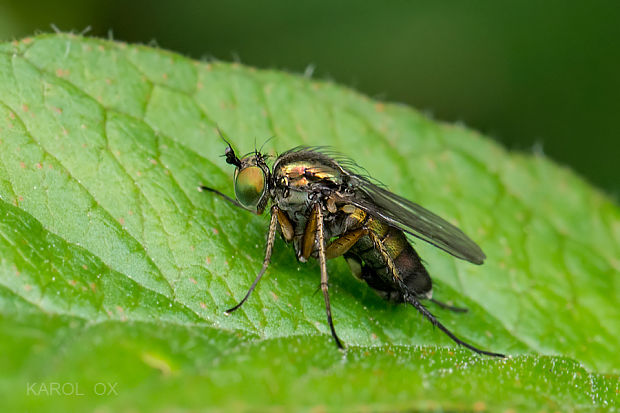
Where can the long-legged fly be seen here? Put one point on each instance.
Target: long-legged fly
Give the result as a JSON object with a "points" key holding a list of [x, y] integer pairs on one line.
{"points": [[326, 208]]}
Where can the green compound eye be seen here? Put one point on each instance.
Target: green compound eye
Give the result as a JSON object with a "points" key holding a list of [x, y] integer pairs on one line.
{"points": [[250, 186]]}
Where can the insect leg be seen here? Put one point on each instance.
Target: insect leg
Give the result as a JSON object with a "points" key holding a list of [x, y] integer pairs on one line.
{"points": [[224, 196], [285, 225], [270, 240], [412, 299], [449, 307], [310, 234], [344, 243], [324, 276], [388, 260]]}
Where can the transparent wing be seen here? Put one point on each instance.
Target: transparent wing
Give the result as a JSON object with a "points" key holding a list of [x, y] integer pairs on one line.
{"points": [[414, 219]]}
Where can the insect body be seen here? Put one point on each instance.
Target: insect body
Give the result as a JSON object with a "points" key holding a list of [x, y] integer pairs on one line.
{"points": [[325, 208]]}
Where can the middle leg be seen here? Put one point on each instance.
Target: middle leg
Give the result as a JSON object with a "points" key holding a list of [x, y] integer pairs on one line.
{"points": [[320, 237]]}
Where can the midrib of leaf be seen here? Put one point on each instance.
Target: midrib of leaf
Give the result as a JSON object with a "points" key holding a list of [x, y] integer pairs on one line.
{"points": [[262, 316]]}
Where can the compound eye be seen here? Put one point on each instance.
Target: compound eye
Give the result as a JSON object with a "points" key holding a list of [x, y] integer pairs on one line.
{"points": [[250, 186]]}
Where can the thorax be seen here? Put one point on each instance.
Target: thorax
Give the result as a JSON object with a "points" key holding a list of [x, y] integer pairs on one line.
{"points": [[299, 184]]}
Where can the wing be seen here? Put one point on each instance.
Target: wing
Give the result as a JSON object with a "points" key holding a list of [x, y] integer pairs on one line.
{"points": [[413, 219]]}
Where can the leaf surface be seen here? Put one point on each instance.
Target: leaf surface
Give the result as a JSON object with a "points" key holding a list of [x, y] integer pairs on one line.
{"points": [[115, 270]]}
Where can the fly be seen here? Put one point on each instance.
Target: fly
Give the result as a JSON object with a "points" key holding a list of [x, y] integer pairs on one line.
{"points": [[323, 206]]}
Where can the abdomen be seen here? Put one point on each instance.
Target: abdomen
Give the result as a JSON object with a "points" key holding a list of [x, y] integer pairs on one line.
{"points": [[367, 263]]}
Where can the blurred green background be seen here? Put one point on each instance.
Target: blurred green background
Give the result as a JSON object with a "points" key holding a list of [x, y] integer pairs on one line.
{"points": [[542, 76]]}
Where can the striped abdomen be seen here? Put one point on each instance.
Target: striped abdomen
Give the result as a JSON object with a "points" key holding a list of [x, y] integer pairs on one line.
{"points": [[368, 264]]}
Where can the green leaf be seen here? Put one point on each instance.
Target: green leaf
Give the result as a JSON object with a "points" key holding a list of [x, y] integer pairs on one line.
{"points": [[115, 270]]}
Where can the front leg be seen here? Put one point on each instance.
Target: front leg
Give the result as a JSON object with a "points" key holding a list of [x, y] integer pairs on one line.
{"points": [[286, 228], [309, 237], [270, 240]]}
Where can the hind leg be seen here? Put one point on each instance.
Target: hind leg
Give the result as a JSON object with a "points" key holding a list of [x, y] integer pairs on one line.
{"points": [[412, 299], [448, 306]]}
